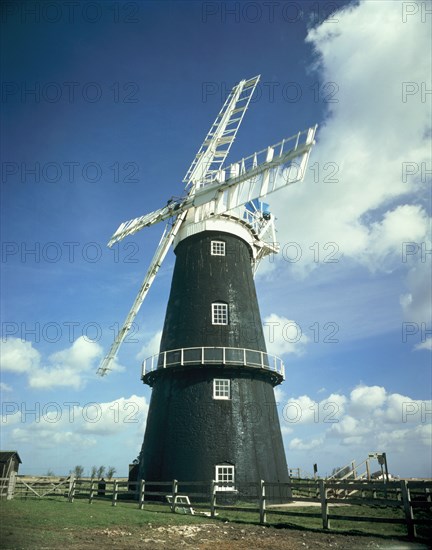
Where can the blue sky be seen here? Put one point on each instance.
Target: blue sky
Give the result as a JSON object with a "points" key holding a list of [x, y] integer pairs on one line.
{"points": [[123, 98]]}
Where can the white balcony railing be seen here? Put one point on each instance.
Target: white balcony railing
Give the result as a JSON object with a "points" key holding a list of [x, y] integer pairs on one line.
{"points": [[213, 356]]}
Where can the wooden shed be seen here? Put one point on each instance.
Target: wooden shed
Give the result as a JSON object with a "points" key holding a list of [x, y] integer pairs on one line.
{"points": [[9, 464]]}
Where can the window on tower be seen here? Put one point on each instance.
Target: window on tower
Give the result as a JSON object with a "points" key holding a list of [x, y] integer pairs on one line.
{"points": [[221, 388], [225, 476], [217, 248], [219, 313]]}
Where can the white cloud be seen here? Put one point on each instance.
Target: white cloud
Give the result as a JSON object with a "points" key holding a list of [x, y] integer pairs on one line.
{"points": [[402, 409], [48, 439], [51, 424], [10, 414], [426, 344], [283, 335], [298, 444], [5, 387], [66, 368], [369, 419], [115, 416], [280, 395], [18, 356], [364, 398], [416, 303], [406, 223], [304, 410], [416, 306], [368, 135], [80, 356], [151, 346]]}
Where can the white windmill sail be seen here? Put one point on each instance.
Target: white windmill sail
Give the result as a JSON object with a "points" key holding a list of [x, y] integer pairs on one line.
{"points": [[159, 256], [206, 164], [215, 148], [214, 190], [256, 176]]}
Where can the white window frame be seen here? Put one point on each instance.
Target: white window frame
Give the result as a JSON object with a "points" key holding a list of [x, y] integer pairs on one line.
{"points": [[221, 388], [219, 313], [225, 473], [217, 248]]}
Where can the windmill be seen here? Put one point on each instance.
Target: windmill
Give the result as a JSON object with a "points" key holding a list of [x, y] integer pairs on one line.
{"points": [[212, 413]]}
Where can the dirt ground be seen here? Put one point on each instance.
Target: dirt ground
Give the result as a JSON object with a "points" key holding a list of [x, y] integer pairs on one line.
{"points": [[228, 536]]}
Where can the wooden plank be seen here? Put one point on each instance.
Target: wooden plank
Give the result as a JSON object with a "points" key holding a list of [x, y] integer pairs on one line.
{"points": [[55, 487], [294, 513], [213, 499], [324, 505], [181, 502], [91, 494], [114, 494], [29, 487], [419, 484], [365, 502], [163, 483], [361, 486], [409, 515], [262, 503], [141, 494], [422, 521], [303, 499], [194, 483], [201, 495], [174, 494], [366, 519], [420, 504]]}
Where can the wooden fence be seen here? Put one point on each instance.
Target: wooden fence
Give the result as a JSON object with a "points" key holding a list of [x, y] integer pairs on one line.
{"points": [[266, 498], [263, 499], [16, 486]]}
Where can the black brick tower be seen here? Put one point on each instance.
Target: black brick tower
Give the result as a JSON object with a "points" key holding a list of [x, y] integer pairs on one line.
{"points": [[190, 432]]}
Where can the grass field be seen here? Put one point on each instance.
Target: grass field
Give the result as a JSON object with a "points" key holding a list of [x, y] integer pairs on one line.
{"points": [[52, 521], [55, 523]]}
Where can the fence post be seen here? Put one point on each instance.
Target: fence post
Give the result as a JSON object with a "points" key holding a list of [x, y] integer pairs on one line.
{"points": [[213, 499], [262, 502], [11, 486], [115, 493], [324, 504], [409, 515], [91, 494], [141, 494], [72, 490], [71, 484], [174, 494]]}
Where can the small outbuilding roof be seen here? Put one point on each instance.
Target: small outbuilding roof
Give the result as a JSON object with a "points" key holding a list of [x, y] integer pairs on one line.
{"points": [[7, 455]]}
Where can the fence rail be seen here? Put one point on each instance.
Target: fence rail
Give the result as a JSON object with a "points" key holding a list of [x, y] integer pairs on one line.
{"points": [[404, 495], [260, 498], [16, 486]]}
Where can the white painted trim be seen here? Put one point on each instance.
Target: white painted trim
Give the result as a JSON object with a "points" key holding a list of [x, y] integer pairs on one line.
{"points": [[217, 223], [218, 311], [217, 247], [231, 483], [227, 384]]}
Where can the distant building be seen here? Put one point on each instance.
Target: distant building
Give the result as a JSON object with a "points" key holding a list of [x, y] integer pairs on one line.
{"points": [[9, 464]]}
